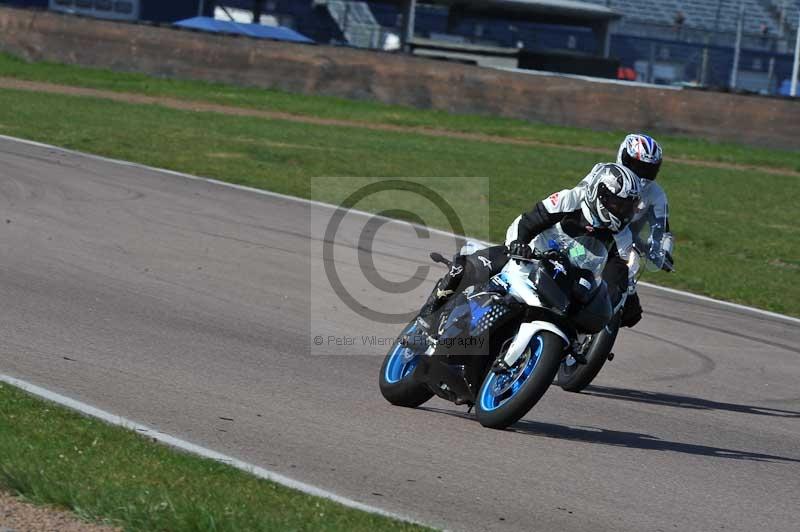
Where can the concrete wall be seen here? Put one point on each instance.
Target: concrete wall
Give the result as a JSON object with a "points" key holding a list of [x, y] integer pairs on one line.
{"points": [[397, 79]]}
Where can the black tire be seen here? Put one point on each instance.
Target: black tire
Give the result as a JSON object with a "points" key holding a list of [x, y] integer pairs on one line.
{"points": [[531, 390], [406, 392], [576, 378]]}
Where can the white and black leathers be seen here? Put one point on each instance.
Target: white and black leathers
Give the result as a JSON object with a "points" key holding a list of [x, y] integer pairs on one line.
{"points": [[654, 207], [576, 210], [653, 210], [570, 206], [572, 209]]}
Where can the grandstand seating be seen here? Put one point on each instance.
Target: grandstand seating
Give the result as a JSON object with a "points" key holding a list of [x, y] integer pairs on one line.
{"points": [[791, 14], [698, 14]]}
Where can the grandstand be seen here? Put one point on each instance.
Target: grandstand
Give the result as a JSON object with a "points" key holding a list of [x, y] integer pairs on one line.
{"points": [[788, 14], [714, 15], [647, 39]]}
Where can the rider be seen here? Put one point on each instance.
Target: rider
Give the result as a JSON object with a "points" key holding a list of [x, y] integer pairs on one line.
{"points": [[642, 155], [601, 205]]}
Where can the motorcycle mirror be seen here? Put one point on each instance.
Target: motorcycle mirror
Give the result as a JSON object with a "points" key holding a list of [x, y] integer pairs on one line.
{"points": [[437, 257]]}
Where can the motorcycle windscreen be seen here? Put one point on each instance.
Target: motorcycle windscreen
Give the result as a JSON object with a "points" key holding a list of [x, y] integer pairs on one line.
{"points": [[548, 289]]}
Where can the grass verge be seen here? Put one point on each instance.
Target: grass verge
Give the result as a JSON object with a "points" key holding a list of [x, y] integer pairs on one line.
{"points": [[52, 455], [736, 230], [376, 113]]}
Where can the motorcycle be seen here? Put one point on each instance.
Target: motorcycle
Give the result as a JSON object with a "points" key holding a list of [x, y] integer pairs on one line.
{"points": [[498, 344], [580, 368]]}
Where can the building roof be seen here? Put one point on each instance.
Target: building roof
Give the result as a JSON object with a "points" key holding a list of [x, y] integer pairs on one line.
{"points": [[257, 31], [555, 11]]}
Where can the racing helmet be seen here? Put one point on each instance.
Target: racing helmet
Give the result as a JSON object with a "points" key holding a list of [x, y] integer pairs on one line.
{"points": [[614, 195], [640, 154]]}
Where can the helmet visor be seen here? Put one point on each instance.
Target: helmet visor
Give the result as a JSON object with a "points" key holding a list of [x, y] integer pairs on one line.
{"points": [[622, 208], [640, 168]]}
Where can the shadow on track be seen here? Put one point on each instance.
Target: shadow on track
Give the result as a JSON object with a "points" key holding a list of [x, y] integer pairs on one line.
{"points": [[616, 438], [635, 440], [684, 401]]}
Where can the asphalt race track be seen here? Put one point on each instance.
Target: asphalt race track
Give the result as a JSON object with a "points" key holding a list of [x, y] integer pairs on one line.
{"points": [[191, 307]]}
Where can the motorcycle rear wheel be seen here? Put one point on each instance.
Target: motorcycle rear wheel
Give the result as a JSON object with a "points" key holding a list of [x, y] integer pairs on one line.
{"points": [[576, 377]]}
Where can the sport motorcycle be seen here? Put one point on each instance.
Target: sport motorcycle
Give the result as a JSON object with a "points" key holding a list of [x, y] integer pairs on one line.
{"points": [[497, 345]]}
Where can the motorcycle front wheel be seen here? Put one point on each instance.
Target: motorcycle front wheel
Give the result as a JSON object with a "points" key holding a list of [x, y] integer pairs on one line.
{"points": [[504, 397]]}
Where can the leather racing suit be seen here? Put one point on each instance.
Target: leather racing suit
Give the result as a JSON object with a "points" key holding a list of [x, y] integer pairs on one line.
{"points": [[568, 207]]}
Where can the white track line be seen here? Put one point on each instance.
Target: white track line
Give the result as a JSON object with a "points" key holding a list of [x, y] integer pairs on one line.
{"points": [[728, 304], [183, 445], [706, 299]]}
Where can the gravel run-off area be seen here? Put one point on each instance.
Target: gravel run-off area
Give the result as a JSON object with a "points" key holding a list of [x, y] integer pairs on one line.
{"points": [[18, 516]]}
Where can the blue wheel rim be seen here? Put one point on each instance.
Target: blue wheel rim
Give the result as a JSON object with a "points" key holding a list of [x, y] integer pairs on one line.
{"points": [[402, 360], [496, 390]]}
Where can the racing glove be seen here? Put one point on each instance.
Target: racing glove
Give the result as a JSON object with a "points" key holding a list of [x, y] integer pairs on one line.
{"points": [[518, 248]]}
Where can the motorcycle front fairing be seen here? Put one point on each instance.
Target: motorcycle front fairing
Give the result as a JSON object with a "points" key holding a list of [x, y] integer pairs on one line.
{"points": [[461, 340], [466, 324]]}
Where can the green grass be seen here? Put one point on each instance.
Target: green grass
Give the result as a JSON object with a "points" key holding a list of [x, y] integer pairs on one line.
{"points": [[52, 455], [737, 237], [329, 107]]}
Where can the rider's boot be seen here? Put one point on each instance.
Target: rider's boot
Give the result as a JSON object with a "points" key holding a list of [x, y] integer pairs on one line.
{"points": [[578, 351], [579, 357], [444, 288], [437, 298]]}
